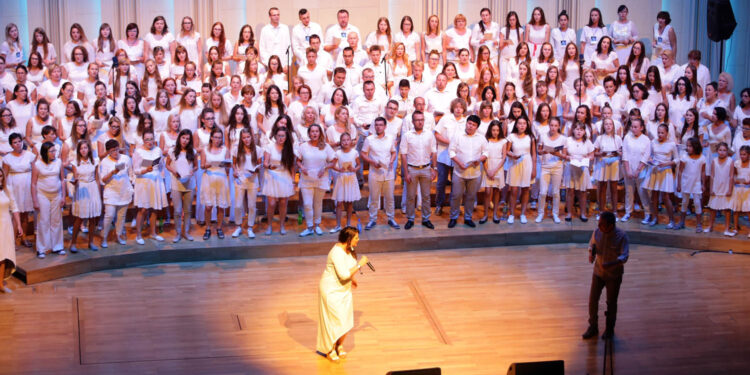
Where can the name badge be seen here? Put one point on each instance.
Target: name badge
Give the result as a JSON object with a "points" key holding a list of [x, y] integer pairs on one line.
{"points": [[563, 42], [658, 39], [593, 38], [343, 34], [18, 54], [307, 38]]}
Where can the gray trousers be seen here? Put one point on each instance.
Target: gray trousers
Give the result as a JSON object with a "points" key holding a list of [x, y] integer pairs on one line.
{"points": [[466, 189], [420, 178]]}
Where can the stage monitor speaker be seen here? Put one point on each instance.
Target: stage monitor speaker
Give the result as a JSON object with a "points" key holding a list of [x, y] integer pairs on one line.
{"points": [[537, 368], [720, 20], [424, 371]]}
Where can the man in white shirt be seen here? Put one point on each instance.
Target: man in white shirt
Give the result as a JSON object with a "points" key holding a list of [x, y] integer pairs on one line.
{"points": [[378, 67], [393, 122], [358, 90], [379, 151], [419, 160], [301, 34], [353, 71], [339, 82], [404, 99], [417, 83], [312, 73], [360, 56], [468, 150], [419, 105], [741, 138], [704, 75], [336, 35], [364, 111], [439, 99], [274, 38], [324, 58]]}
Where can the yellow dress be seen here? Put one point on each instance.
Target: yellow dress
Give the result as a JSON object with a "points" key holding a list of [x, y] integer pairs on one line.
{"points": [[7, 246], [335, 303]]}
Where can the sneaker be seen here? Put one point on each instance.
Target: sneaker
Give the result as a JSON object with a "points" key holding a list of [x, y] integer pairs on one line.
{"points": [[250, 233], [625, 218], [679, 226], [393, 224], [597, 217], [121, 241], [104, 245], [730, 233], [220, 234], [652, 222], [306, 232], [282, 231], [59, 252], [671, 225], [93, 247], [369, 226], [176, 238], [646, 220], [237, 232], [158, 238], [707, 230], [189, 237], [539, 218], [41, 255], [511, 219], [699, 229], [140, 241], [523, 219], [269, 231], [207, 234], [318, 231], [556, 219], [335, 230]]}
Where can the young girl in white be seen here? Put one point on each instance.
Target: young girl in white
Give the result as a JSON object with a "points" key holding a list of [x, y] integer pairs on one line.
{"points": [[722, 172], [522, 155], [246, 158], [579, 152], [115, 170], [215, 182], [551, 145], [692, 173], [150, 192], [494, 179], [87, 203], [660, 182], [608, 148], [636, 148], [182, 163], [346, 189], [278, 181], [741, 191]]}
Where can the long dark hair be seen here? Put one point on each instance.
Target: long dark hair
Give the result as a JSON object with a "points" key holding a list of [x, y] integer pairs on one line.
{"points": [[287, 151], [90, 156], [242, 150], [345, 237], [279, 101], [656, 84], [232, 123], [507, 25], [694, 126], [640, 57], [189, 150], [688, 88], [493, 124]]}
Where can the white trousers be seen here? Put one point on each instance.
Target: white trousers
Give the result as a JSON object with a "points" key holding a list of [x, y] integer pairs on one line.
{"points": [[49, 231]]}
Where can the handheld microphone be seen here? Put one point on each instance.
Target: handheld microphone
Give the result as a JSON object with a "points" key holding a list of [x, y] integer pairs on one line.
{"points": [[371, 266]]}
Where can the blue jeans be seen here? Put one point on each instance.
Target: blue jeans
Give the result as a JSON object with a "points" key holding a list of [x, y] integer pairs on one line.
{"points": [[443, 170]]}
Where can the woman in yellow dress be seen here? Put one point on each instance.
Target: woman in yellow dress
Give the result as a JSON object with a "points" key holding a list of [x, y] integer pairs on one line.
{"points": [[335, 294], [9, 221]]}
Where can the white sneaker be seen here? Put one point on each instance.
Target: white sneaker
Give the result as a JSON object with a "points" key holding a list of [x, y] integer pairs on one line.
{"points": [[539, 218], [176, 239], [104, 245], [523, 219], [625, 218], [730, 233], [250, 233], [122, 241], [306, 232], [671, 225], [84, 229], [597, 217], [646, 220], [237, 232], [158, 238], [335, 230], [556, 219], [318, 231], [140, 241], [511, 219]]}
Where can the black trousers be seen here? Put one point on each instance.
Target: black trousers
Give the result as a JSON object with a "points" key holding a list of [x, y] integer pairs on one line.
{"points": [[613, 290]]}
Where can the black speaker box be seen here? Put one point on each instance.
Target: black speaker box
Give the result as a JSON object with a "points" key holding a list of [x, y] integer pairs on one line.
{"points": [[424, 371], [720, 20], [537, 368]]}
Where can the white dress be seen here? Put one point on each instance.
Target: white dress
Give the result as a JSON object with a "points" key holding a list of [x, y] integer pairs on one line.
{"points": [[215, 181], [741, 192], [7, 247], [620, 31], [577, 178], [191, 45], [19, 179], [608, 168], [691, 175], [279, 182], [134, 52], [661, 178], [519, 173], [87, 203], [457, 41], [346, 188], [495, 158], [536, 39], [150, 191], [335, 304], [22, 113], [720, 185]]}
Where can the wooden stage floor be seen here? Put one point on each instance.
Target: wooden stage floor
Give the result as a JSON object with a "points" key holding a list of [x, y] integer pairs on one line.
{"points": [[468, 311]]}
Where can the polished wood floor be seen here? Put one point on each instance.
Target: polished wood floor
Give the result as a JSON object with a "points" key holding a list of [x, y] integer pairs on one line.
{"points": [[468, 311]]}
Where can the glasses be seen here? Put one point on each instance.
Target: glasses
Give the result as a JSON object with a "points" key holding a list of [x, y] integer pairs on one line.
{"points": [[7, 115]]}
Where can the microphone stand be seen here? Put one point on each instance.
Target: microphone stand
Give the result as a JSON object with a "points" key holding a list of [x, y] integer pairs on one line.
{"points": [[385, 76], [289, 69]]}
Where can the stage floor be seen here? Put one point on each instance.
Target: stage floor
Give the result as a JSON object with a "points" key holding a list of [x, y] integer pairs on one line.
{"points": [[468, 311]]}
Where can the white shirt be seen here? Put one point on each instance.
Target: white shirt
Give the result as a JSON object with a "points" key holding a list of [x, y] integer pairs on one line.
{"points": [[468, 148], [616, 102], [704, 75], [410, 42], [417, 88], [301, 38], [418, 147], [636, 150], [438, 101], [447, 127], [393, 128], [670, 76], [274, 41], [379, 149], [314, 160], [365, 111], [315, 78], [591, 36], [326, 91], [118, 191], [336, 31], [477, 35]]}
